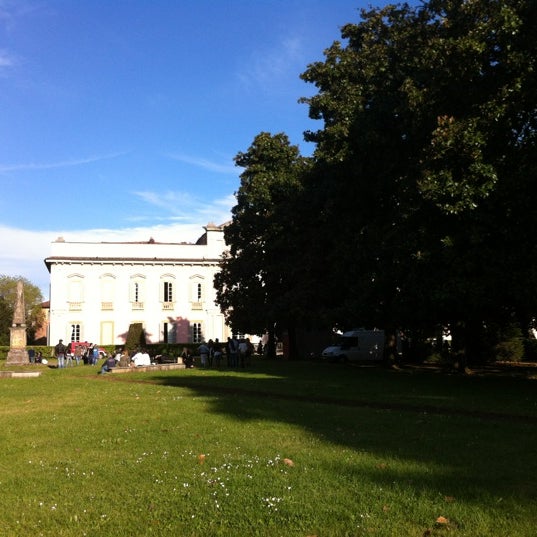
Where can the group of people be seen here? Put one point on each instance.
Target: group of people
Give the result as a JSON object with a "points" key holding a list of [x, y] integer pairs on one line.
{"points": [[35, 357], [139, 358], [238, 353], [75, 353]]}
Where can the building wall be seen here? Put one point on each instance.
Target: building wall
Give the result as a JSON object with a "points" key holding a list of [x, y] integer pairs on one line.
{"points": [[41, 333], [98, 289]]}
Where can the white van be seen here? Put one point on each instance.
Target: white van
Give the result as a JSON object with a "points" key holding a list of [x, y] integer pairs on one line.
{"points": [[358, 345]]}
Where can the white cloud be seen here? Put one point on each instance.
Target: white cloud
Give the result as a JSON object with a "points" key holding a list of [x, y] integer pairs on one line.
{"points": [[24, 251]]}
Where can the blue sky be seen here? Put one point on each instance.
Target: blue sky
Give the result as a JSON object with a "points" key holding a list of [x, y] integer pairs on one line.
{"points": [[120, 119]]}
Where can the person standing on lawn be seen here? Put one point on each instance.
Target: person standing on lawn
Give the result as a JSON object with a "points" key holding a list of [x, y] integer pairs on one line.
{"points": [[59, 353], [217, 353], [78, 354], [203, 350], [94, 354]]}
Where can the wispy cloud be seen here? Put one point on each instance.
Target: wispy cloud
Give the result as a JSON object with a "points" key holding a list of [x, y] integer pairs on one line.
{"points": [[172, 203], [6, 59], [266, 68], [185, 208], [205, 164], [36, 166], [11, 12]]}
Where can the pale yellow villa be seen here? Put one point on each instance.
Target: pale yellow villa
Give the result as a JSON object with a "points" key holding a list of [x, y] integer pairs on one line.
{"points": [[97, 290]]}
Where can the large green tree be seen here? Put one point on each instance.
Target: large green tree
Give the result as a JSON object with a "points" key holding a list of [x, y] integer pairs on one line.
{"points": [[425, 165], [32, 299], [257, 275]]}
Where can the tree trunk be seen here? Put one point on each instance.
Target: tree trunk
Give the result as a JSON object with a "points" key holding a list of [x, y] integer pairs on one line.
{"points": [[293, 351], [271, 344], [465, 343], [390, 356]]}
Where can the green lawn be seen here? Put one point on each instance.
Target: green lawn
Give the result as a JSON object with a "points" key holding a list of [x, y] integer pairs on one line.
{"points": [[283, 449]]}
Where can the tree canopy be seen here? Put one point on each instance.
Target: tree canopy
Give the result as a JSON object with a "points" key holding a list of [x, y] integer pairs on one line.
{"points": [[416, 207], [255, 280]]}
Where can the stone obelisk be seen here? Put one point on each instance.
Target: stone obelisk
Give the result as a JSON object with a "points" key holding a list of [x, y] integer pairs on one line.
{"points": [[18, 354]]}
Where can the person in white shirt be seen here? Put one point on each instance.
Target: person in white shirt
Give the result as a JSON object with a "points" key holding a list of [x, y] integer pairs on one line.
{"points": [[146, 359], [139, 359]]}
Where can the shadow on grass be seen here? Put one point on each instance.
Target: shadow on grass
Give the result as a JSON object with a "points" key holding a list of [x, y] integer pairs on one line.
{"points": [[456, 449]]}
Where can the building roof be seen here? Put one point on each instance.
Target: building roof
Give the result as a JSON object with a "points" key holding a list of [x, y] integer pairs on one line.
{"points": [[208, 249]]}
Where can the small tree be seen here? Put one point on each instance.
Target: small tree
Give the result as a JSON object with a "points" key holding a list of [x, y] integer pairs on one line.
{"points": [[135, 337]]}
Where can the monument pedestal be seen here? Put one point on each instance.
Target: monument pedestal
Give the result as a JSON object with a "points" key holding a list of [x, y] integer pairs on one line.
{"points": [[17, 357]]}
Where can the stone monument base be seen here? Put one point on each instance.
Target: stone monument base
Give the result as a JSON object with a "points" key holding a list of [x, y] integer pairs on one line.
{"points": [[17, 357]]}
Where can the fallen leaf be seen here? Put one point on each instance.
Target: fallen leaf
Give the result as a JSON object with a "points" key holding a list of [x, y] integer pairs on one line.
{"points": [[201, 458], [288, 462], [442, 520], [385, 508], [449, 499]]}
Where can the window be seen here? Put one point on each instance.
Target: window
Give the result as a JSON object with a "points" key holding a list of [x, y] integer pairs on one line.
{"points": [[165, 332], [75, 292], [169, 332], [196, 292], [197, 335], [107, 333], [75, 332], [107, 288], [136, 291], [168, 292]]}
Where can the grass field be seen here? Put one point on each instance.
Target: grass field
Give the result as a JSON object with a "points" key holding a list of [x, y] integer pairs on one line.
{"points": [[283, 449]]}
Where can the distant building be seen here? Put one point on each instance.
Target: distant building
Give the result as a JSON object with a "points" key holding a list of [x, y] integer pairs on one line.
{"points": [[40, 337], [97, 290]]}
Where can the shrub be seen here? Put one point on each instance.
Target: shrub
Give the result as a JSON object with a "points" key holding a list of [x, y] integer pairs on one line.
{"points": [[530, 350], [510, 348], [135, 337]]}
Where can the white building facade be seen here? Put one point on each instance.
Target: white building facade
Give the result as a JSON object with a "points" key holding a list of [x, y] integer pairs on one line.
{"points": [[97, 290]]}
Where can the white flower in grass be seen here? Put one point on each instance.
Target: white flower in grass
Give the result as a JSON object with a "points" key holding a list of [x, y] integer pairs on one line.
{"points": [[272, 502]]}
